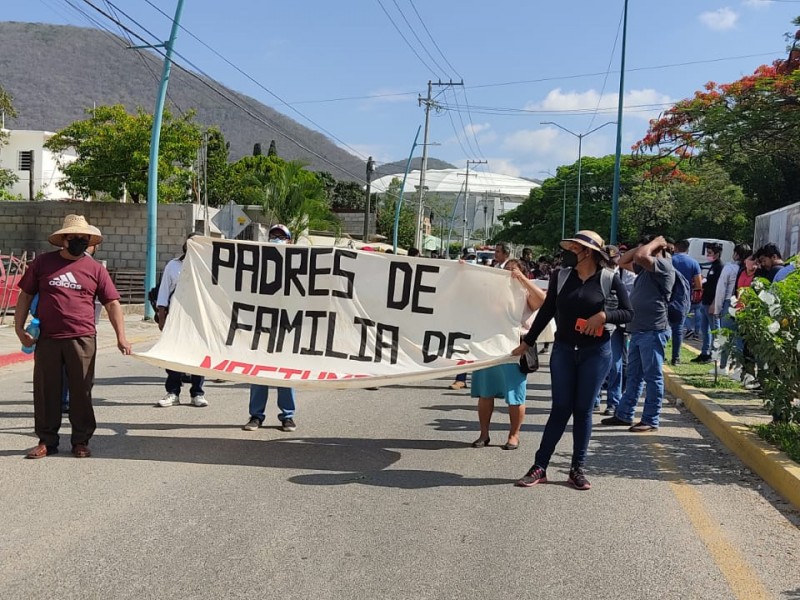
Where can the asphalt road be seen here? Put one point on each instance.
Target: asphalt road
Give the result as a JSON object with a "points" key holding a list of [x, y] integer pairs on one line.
{"points": [[378, 494]]}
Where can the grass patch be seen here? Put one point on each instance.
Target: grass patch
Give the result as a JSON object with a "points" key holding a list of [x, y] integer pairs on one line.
{"points": [[785, 436], [698, 374]]}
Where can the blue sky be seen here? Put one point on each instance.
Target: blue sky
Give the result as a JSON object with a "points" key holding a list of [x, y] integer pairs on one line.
{"points": [[344, 65]]}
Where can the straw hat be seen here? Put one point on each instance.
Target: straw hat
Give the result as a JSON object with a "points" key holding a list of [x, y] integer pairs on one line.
{"points": [[76, 224], [588, 239]]}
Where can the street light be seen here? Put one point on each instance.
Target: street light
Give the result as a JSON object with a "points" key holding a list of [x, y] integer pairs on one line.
{"points": [[580, 137]]}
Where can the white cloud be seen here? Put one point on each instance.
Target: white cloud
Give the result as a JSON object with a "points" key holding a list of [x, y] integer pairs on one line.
{"points": [[642, 104], [504, 166], [531, 140], [383, 96], [720, 19], [476, 128]]}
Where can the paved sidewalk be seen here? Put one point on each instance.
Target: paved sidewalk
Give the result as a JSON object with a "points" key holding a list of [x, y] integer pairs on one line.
{"points": [[136, 328]]}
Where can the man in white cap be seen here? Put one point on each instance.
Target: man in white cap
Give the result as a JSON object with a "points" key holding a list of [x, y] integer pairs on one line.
{"points": [[174, 382], [278, 234], [67, 281]]}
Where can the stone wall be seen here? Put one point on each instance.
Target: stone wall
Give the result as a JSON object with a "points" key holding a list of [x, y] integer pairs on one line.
{"points": [[27, 225]]}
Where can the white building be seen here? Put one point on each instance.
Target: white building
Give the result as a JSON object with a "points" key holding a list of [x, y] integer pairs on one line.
{"points": [[16, 154], [488, 195]]}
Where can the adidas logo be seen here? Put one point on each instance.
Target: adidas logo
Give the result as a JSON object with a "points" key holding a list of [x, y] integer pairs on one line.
{"points": [[66, 280]]}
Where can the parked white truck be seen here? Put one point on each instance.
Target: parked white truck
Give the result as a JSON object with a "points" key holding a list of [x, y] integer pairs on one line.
{"points": [[781, 227]]}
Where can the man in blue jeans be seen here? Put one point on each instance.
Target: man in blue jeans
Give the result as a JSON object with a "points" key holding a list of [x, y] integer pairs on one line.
{"points": [[690, 269], [258, 404], [649, 331]]}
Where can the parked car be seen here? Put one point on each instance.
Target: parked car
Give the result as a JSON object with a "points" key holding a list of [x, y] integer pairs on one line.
{"points": [[11, 270]]}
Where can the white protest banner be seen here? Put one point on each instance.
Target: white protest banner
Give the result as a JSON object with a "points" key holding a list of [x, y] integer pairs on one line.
{"points": [[328, 318]]}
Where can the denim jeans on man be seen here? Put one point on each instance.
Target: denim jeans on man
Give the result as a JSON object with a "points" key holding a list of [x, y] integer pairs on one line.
{"points": [[645, 364], [615, 372], [173, 384], [258, 402], [728, 322], [707, 324], [576, 376]]}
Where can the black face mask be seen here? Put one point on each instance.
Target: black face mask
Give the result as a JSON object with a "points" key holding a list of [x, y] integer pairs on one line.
{"points": [[569, 259], [77, 246]]}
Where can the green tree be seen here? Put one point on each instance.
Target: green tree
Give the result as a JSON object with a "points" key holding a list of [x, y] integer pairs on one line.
{"points": [[113, 147], [295, 197], [273, 149], [751, 127], [387, 205], [217, 168]]}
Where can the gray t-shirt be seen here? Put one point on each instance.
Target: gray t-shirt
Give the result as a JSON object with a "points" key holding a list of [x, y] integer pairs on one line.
{"points": [[650, 295]]}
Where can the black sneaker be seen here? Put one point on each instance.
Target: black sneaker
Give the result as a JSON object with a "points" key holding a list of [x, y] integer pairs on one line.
{"points": [[609, 412], [702, 359], [252, 424], [532, 477], [615, 420], [288, 425], [577, 479], [675, 361]]}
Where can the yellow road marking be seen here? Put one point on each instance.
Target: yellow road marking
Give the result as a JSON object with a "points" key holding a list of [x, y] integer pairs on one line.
{"points": [[741, 577]]}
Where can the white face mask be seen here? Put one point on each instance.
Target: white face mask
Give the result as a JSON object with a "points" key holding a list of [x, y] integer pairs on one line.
{"points": [[277, 241]]}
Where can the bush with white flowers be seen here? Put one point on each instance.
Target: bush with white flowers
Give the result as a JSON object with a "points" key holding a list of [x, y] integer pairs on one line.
{"points": [[768, 320]]}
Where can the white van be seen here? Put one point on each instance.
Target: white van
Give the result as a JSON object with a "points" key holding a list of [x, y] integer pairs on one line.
{"points": [[697, 250]]}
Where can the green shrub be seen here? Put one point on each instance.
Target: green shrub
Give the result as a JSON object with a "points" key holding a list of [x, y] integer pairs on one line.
{"points": [[768, 319]]}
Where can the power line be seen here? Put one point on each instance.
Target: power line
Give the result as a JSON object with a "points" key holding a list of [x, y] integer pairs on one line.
{"points": [[205, 80], [414, 33], [546, 79], [259, 84], [608, 71], [405, 39]]}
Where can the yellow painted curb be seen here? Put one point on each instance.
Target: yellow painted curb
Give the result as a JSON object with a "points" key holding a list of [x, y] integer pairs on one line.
{"points": [[772, 465]]}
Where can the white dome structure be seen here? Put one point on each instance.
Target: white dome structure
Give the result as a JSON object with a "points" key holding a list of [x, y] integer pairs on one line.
{"points": [[451, 181], [490, 195]]}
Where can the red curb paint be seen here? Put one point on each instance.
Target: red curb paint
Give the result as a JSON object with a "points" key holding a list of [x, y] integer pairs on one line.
{"points": [[13, 358]]}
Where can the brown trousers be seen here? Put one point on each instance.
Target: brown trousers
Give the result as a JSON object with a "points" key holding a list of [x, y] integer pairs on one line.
{"points": [[53, 359]]}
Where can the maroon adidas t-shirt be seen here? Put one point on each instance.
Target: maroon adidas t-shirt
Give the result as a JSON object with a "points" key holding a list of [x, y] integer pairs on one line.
{"points": [[67, 289]]}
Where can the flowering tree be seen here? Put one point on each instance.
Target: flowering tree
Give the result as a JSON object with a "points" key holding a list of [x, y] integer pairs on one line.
{"points": [[751, 127], [768, 319]]}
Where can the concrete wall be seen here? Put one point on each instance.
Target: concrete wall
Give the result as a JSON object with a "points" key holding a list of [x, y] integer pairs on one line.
{"points": [[27, 225]]}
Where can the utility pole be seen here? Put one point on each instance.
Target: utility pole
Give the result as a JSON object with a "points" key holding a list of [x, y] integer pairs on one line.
{"points": [[370, 171], [429, 103], [152, 174], [466, 201]]}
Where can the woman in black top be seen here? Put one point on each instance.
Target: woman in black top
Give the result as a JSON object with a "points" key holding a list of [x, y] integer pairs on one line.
{"points": [[581, 353]]}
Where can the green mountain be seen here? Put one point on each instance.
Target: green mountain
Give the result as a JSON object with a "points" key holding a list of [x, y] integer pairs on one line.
{"points": [[55, 72]]}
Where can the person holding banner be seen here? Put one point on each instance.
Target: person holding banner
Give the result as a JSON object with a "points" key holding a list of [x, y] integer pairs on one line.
{"points": [[174, 382], [507, 380], [581, 298], [278, 234]]}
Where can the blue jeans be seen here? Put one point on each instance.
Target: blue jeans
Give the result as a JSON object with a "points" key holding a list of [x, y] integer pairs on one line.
{"points": [[173, 384], [258, 402], [645, 363], [728, 322], [677, 339], [576, 376], [693, 324], [614, 392], [461, 377], [707, 324]]}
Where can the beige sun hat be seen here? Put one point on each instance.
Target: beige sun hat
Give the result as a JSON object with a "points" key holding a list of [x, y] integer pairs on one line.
{"points": [[590, 240], [76, 224]]}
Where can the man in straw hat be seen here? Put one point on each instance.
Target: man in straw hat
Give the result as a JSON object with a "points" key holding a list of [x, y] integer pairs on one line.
{"points": [[67, 281]]}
